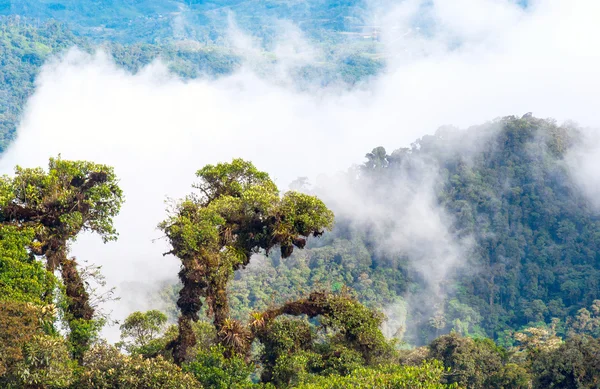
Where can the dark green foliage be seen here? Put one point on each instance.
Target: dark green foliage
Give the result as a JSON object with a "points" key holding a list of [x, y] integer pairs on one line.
{"points": [[510, 376], [477, 363], [573, 365], [506, 185], [471, 362]]}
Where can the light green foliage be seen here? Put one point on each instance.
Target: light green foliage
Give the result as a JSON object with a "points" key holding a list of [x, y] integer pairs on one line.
{"points": [[22, 277], [104, 367], [82, 333], [213, 370], [80, 195], [46, 363], [141, 328], [426, 376], [237, 213], [71, 197]]}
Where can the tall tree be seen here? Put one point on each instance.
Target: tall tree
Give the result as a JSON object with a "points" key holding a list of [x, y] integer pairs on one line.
{"points": [[58, 204], [237, 212]]}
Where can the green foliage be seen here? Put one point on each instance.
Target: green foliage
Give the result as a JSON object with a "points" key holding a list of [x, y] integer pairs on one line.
{"points": [[35, 32], [82, 333], [472, 363], [213, 370], [287, 346], [348, 336], [71, 197], [358, 327], [197, 21], [22, 277], [19, 324], [504, 184], [586, 322], [23, 50], [29, 357], [140, 328], [510, 376], [104, 367], [46, 364], [573, 365], [426, 376], [80, 195], [237, 213]]}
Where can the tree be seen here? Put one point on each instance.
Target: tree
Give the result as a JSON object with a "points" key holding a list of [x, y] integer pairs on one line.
{"points": [[141, 328], [237, 213], [472, 363], [71, 197], [349, 337], [575, 364]]}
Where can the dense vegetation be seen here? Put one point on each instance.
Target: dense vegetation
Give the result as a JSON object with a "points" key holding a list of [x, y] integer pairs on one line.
{"points": [[237, 212], [505, 184], [156, 21], [520, 309], [324, 338]]}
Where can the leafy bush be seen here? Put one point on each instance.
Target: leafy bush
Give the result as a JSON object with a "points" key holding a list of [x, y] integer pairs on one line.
{"points": [[104, 367], [426, 376]]}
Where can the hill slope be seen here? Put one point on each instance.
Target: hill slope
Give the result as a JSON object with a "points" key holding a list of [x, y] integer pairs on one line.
{"points": [[506, 190]]}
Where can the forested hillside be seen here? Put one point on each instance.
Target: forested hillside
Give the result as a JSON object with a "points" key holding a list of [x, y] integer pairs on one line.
{"points": [[504, 184], [157, 21]]}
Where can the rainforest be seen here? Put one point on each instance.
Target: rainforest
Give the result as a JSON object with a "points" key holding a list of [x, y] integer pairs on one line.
{"points": [[299, 194]]}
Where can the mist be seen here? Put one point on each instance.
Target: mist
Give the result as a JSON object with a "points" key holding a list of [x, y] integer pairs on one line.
{"points": [[459, 63]]}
